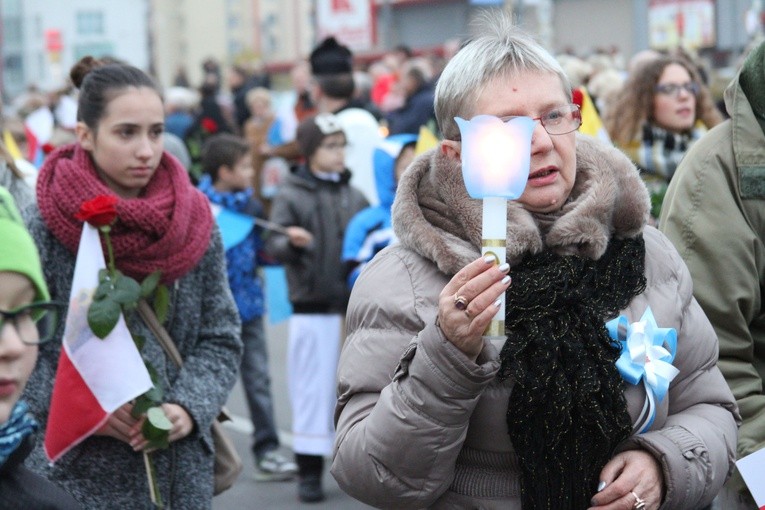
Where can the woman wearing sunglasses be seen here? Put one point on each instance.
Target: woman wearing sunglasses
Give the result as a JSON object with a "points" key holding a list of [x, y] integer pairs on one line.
{"points": [[661, 110], [431, 414], [27, 319]]}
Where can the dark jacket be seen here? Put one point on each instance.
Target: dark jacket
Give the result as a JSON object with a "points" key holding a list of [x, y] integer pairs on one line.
{"points": [[20, 489], [417, 111], [316, 275]]}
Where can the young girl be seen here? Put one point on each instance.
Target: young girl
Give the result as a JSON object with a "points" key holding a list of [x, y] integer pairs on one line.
{"points": [[163, 224]]}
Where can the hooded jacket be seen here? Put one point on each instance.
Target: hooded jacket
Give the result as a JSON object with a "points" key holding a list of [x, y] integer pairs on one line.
{"points": [[714, 212], [421, 426], [370, 230]]}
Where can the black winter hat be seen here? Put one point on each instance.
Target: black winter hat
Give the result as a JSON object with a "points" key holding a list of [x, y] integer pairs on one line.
{"points": [[331, 57]]}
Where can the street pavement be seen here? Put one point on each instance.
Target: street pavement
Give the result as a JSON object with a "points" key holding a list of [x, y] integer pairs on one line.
{"points": [[247, 494]]}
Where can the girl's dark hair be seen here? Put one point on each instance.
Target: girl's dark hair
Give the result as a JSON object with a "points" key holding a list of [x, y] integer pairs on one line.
{"points": [[100, 81], [223, 149]]}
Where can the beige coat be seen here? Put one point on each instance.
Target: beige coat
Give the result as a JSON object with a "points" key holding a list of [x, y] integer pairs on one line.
{"points": [[419, 425]]}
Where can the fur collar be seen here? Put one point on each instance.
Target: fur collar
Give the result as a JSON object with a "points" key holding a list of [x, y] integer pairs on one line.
{"points": [[434, 216]]}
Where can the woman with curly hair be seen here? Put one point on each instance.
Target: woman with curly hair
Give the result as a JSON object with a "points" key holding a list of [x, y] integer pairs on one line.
{"points": [[661, 110]]}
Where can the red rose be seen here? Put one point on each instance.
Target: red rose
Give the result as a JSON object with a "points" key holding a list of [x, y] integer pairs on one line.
{"points": [[209, 125], [99, 211], [48, 148]]}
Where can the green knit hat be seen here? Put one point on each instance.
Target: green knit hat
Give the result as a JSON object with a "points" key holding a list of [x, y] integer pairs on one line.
{"points": [[18, 252]]}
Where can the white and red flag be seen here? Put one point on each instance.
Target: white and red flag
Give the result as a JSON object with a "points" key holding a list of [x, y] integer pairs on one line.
{"points": [[95, 377]]}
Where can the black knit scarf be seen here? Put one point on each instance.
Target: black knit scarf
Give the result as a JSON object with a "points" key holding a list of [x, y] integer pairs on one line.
{"points": [[567, 410]]}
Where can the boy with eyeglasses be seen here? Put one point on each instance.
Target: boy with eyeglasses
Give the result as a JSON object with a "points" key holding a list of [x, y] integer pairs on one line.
{"points": [[27, 319], [315, 205]]}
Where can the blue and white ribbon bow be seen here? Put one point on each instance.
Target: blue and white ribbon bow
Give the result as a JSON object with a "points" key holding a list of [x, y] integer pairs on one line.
{"points": [[647, 353]]}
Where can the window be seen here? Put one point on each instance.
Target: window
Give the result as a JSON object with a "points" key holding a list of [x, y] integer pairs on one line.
{"points": [[90, 22], [12, 27]]}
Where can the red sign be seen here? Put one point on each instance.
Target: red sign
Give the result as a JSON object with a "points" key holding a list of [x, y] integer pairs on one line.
{"points": [[53, 40]]}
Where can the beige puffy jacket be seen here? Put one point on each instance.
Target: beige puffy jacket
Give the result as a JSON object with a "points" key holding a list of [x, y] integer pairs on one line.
{"points": [[421, 426]]}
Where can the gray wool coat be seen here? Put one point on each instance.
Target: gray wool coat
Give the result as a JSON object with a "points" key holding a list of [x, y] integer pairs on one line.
{"points": [[102, 472], [419, 425]]}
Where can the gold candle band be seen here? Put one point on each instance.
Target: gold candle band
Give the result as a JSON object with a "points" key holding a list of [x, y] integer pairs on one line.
{"points": [[494, 243], [495, 328]]}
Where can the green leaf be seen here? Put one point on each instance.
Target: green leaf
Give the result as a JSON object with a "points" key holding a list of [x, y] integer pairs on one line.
{"points": [[156, 428], [156, 416], [103, 274], [126, 290], [150, 283], [103, 316], [138, 340], [161, 303], [104, 288], [155, 394], [141, 405]]}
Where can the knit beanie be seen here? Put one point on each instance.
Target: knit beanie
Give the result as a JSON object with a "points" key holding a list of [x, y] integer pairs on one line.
{"points": [[18, 252], [313, 130], [331, 57], [752, 78]]}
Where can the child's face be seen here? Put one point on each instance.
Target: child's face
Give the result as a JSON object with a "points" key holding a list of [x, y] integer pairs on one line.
{"points": [[330, 155], [237, 178], [17, 359], [260, 107]]}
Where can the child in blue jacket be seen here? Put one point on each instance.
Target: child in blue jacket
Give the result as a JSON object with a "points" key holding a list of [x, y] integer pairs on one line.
{"points": [[227, 182], [370, 229]]}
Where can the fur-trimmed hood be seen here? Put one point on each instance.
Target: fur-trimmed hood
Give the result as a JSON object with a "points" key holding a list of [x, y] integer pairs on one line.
{"points": [[434, 216]]}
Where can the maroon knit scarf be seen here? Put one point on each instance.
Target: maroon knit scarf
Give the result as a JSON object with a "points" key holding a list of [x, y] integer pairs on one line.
{"points": [[166, 228]]}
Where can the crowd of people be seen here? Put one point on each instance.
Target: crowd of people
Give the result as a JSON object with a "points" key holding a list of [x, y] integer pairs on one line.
{"points": [[637, 250]]}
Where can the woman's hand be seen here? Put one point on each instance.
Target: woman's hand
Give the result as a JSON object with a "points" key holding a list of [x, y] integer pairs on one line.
{"points": [[629, 474], [182, 425], [120, 424], [469, 301]]}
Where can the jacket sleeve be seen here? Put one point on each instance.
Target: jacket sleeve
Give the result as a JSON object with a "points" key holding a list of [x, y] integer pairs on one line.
{"points": [[405, 393], [211, 361], [696, 445]]}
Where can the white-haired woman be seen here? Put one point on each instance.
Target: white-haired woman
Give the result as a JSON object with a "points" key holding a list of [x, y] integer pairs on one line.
{"points": [[433, 415]]}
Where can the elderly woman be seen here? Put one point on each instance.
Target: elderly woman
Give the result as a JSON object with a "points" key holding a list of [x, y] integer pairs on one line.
{"points": [[432, 414], [660, 111]]}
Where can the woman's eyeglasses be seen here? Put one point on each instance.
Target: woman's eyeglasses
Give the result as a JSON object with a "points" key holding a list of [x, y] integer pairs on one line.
{"points": [[673, 89], [560, 120], [35, 323]]}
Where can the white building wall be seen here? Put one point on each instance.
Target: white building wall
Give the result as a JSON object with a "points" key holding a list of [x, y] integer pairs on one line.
{"points": [[117, 29]]}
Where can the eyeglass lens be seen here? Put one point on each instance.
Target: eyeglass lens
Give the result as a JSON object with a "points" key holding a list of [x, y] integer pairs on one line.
{"points": [[35, 323], [562, 120], [673, 89], [558, 121]]}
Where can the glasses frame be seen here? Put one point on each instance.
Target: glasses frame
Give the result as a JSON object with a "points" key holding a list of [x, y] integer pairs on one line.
{"points": [[572, 109], [10, 317], [673, 89]]}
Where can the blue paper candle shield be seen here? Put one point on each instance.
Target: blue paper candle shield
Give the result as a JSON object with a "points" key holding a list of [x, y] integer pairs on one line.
{"points": [[496, 155]]}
